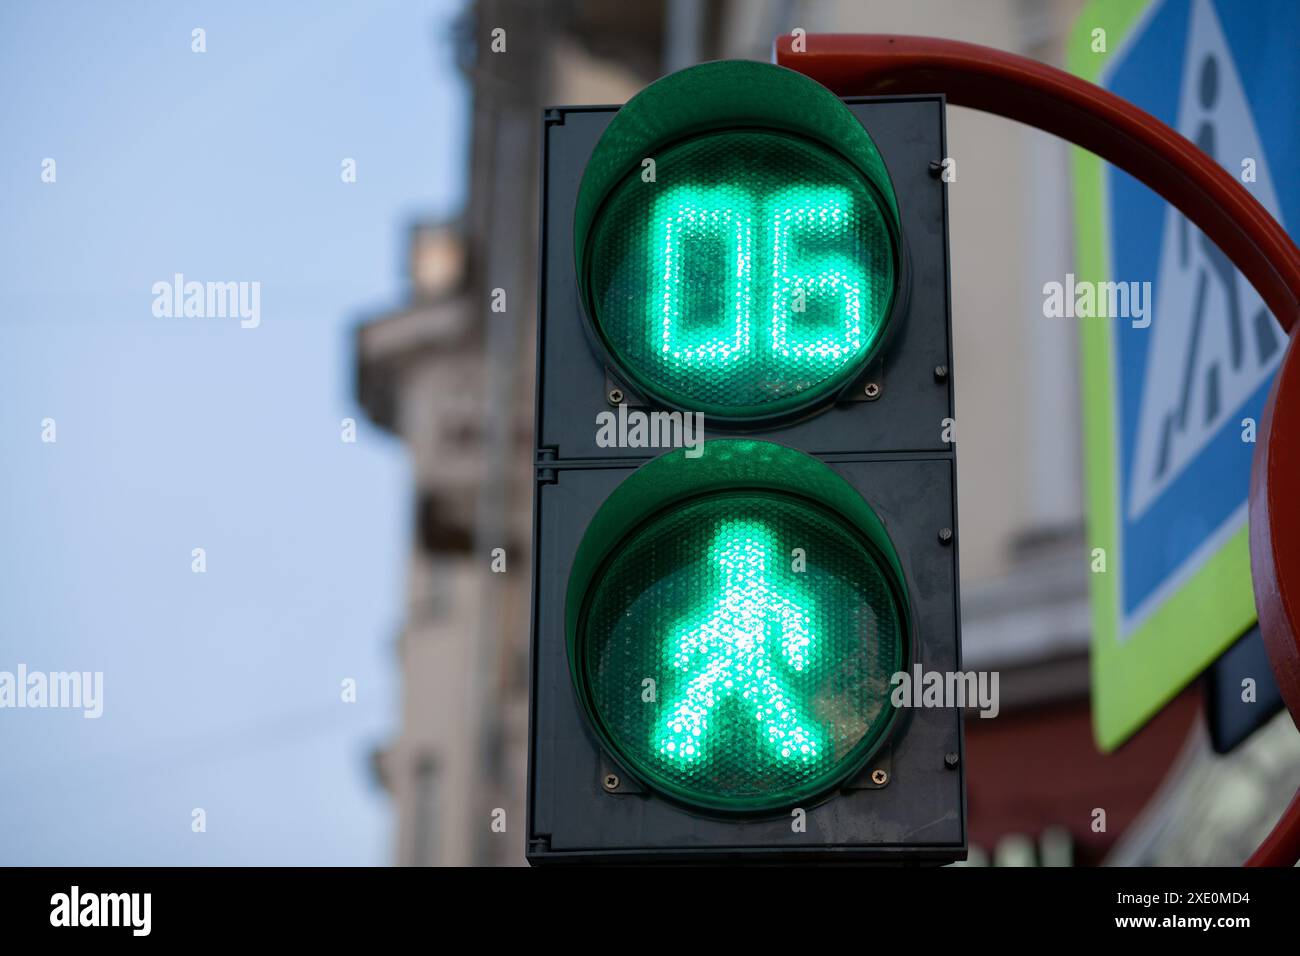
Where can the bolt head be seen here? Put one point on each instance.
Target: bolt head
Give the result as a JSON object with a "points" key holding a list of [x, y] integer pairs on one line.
{"points": [[872, 390], [940, 372], [615, 396], [950, 761], [610, 781], [879, 777], [945, 535]]}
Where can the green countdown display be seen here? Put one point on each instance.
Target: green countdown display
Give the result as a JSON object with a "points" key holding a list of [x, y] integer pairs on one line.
{"points": [[757, 269], [743, 272]]}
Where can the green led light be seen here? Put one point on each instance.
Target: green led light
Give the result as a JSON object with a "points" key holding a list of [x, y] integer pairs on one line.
{"points": [[751, 276], [695, 219], [765, 623], [731, 648]]}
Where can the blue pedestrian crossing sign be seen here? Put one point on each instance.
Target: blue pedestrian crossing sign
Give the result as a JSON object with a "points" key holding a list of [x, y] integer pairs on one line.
{"points": [[1172, 399]]}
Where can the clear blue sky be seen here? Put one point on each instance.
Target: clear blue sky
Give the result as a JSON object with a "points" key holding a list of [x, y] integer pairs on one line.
{"points": [[221, 690]]}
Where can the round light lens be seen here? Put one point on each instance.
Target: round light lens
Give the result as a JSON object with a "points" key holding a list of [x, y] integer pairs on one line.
{"points": [[752, 275], [736, 651]]}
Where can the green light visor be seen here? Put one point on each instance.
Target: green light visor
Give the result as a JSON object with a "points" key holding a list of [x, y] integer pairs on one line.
{"points": [[734, 648], [753, 273]]}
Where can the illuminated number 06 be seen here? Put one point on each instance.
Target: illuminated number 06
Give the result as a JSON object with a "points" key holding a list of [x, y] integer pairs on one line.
{"points": [[692, 216]]}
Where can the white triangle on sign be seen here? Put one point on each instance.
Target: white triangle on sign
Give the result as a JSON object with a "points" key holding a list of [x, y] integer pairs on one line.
{"points": [[1214, 342]]}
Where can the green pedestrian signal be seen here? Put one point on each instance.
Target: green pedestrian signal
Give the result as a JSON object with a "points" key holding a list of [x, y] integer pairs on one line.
{"points": [[771, 674], [736, 648]]}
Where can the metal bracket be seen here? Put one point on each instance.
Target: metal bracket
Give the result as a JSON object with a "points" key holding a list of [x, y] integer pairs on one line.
{"points": [[545, 475]]}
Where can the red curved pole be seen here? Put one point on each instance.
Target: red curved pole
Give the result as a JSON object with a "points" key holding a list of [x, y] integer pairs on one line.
{"points": [[1131, 139], [1282, 846], [1275, 566]]}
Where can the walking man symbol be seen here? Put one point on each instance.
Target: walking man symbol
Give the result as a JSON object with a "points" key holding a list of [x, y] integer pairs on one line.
{"points": [[736, 648]]}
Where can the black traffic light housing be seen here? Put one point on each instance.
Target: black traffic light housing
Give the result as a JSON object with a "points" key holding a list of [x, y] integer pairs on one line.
{"points": [[885, 436]]}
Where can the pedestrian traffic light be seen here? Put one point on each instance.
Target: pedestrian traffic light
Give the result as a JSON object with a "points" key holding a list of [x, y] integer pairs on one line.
{"points": [[745, 507], [771, 684]]}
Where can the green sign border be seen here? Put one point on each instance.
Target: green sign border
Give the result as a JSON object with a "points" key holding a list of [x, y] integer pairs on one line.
{"points": [[1134, 678]]}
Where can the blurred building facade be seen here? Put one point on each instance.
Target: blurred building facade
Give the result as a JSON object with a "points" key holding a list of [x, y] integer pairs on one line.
{"points": [[452, 373]]}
